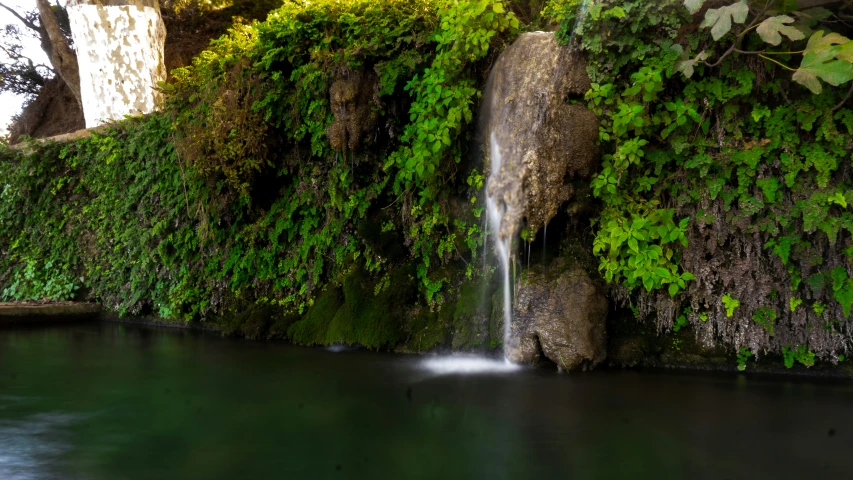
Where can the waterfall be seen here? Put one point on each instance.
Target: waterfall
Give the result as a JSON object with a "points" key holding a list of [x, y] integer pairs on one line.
{"points": [[497, 211], [533, 142]]}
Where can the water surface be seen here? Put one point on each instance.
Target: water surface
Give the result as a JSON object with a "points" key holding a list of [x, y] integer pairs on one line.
{"points": [[111, 401]]}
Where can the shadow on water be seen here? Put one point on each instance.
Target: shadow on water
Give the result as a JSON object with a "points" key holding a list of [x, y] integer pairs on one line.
{"points": [[106, 401]]}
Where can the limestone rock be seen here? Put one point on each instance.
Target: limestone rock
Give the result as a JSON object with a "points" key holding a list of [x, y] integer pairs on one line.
{"points": [[544, 140], [119, 47], [354, 107], [560, 313]]}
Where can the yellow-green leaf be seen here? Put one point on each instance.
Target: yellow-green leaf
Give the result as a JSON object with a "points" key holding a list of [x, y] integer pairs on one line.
{"points": [[772, 29], [720, 19], [819, 63]]}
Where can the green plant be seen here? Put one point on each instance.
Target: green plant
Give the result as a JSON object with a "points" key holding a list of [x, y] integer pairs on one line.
{"points": [[680, 322], [730, 304], [766, 317], [799, 353], [794, 302], [743, 355], [716, 118]]}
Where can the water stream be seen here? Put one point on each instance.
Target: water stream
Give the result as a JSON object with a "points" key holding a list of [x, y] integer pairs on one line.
{"points": [[497, 211]]}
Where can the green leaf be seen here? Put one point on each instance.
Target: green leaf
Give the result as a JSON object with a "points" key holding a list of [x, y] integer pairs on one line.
{"points": [[772, 29], [844, 296], [720, 19], [693, 6], [673, 289], [818, 43], [809, 18], [819, 63]]}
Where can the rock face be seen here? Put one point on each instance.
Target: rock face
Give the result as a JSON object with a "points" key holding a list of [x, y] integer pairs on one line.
{"points": [[560, 313], [353, 105], [120, 51], [544, 140]]}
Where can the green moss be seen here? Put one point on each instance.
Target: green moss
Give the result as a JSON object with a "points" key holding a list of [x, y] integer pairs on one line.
{"points": [[429, 330], [312, 328], [368, 317], [470, 318]]}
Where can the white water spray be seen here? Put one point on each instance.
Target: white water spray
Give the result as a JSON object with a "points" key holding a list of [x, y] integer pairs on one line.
{"points": [[497, 212]]}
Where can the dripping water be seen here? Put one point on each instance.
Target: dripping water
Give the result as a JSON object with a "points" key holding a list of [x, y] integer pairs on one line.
{"points": [[582, 9]]}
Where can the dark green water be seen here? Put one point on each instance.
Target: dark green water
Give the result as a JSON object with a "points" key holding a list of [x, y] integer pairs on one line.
{"points": [[109, 401]]}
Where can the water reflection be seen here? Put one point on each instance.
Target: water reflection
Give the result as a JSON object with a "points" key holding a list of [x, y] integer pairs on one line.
{"points": [[32, 446], [106, 403]]}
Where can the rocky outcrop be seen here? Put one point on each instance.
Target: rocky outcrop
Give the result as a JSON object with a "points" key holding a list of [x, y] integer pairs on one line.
{"points": [[545, 141], [353, 105], [560, 314]]}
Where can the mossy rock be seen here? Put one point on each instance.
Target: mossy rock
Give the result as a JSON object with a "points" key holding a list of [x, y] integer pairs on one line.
{"points": [[471, 316], [249, 320], [428, 330], [371, 316], [312, 329]]}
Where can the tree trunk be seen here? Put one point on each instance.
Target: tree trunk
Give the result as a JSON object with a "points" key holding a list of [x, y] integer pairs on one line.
{"points": [[64, 59]]}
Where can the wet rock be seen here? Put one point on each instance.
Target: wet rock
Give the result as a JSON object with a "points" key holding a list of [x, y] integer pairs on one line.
{"points": [[471, 319], [353, 104], [560, 314], [545, 141]]}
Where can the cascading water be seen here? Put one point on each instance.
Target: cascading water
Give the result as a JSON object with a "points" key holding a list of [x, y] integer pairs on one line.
{"points": [[497, 213], [534, 143]]}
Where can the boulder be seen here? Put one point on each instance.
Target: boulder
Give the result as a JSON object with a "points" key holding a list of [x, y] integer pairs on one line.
{"points": [[545, 140], [559, 314], [353, 101]]}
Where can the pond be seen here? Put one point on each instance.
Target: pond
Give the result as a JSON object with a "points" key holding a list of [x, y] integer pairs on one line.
{"points": [[114, 401]]}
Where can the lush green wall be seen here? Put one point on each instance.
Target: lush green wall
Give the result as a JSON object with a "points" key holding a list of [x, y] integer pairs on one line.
{"points": [[233, 195], [722, 207], [726, 180]]}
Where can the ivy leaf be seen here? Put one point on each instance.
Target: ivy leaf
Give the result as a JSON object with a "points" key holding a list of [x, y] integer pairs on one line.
{"points": [[770, 30], [819, 63], [720, 19], [693, 6]]}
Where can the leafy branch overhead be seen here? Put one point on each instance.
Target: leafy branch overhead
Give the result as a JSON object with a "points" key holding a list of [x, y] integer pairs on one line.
{"points": [[827, 56]]}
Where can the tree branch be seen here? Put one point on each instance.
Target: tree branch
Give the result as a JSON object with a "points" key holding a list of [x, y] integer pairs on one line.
{"points": [[844, 100], [64, 59], [23, 20], [739, 37]]}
